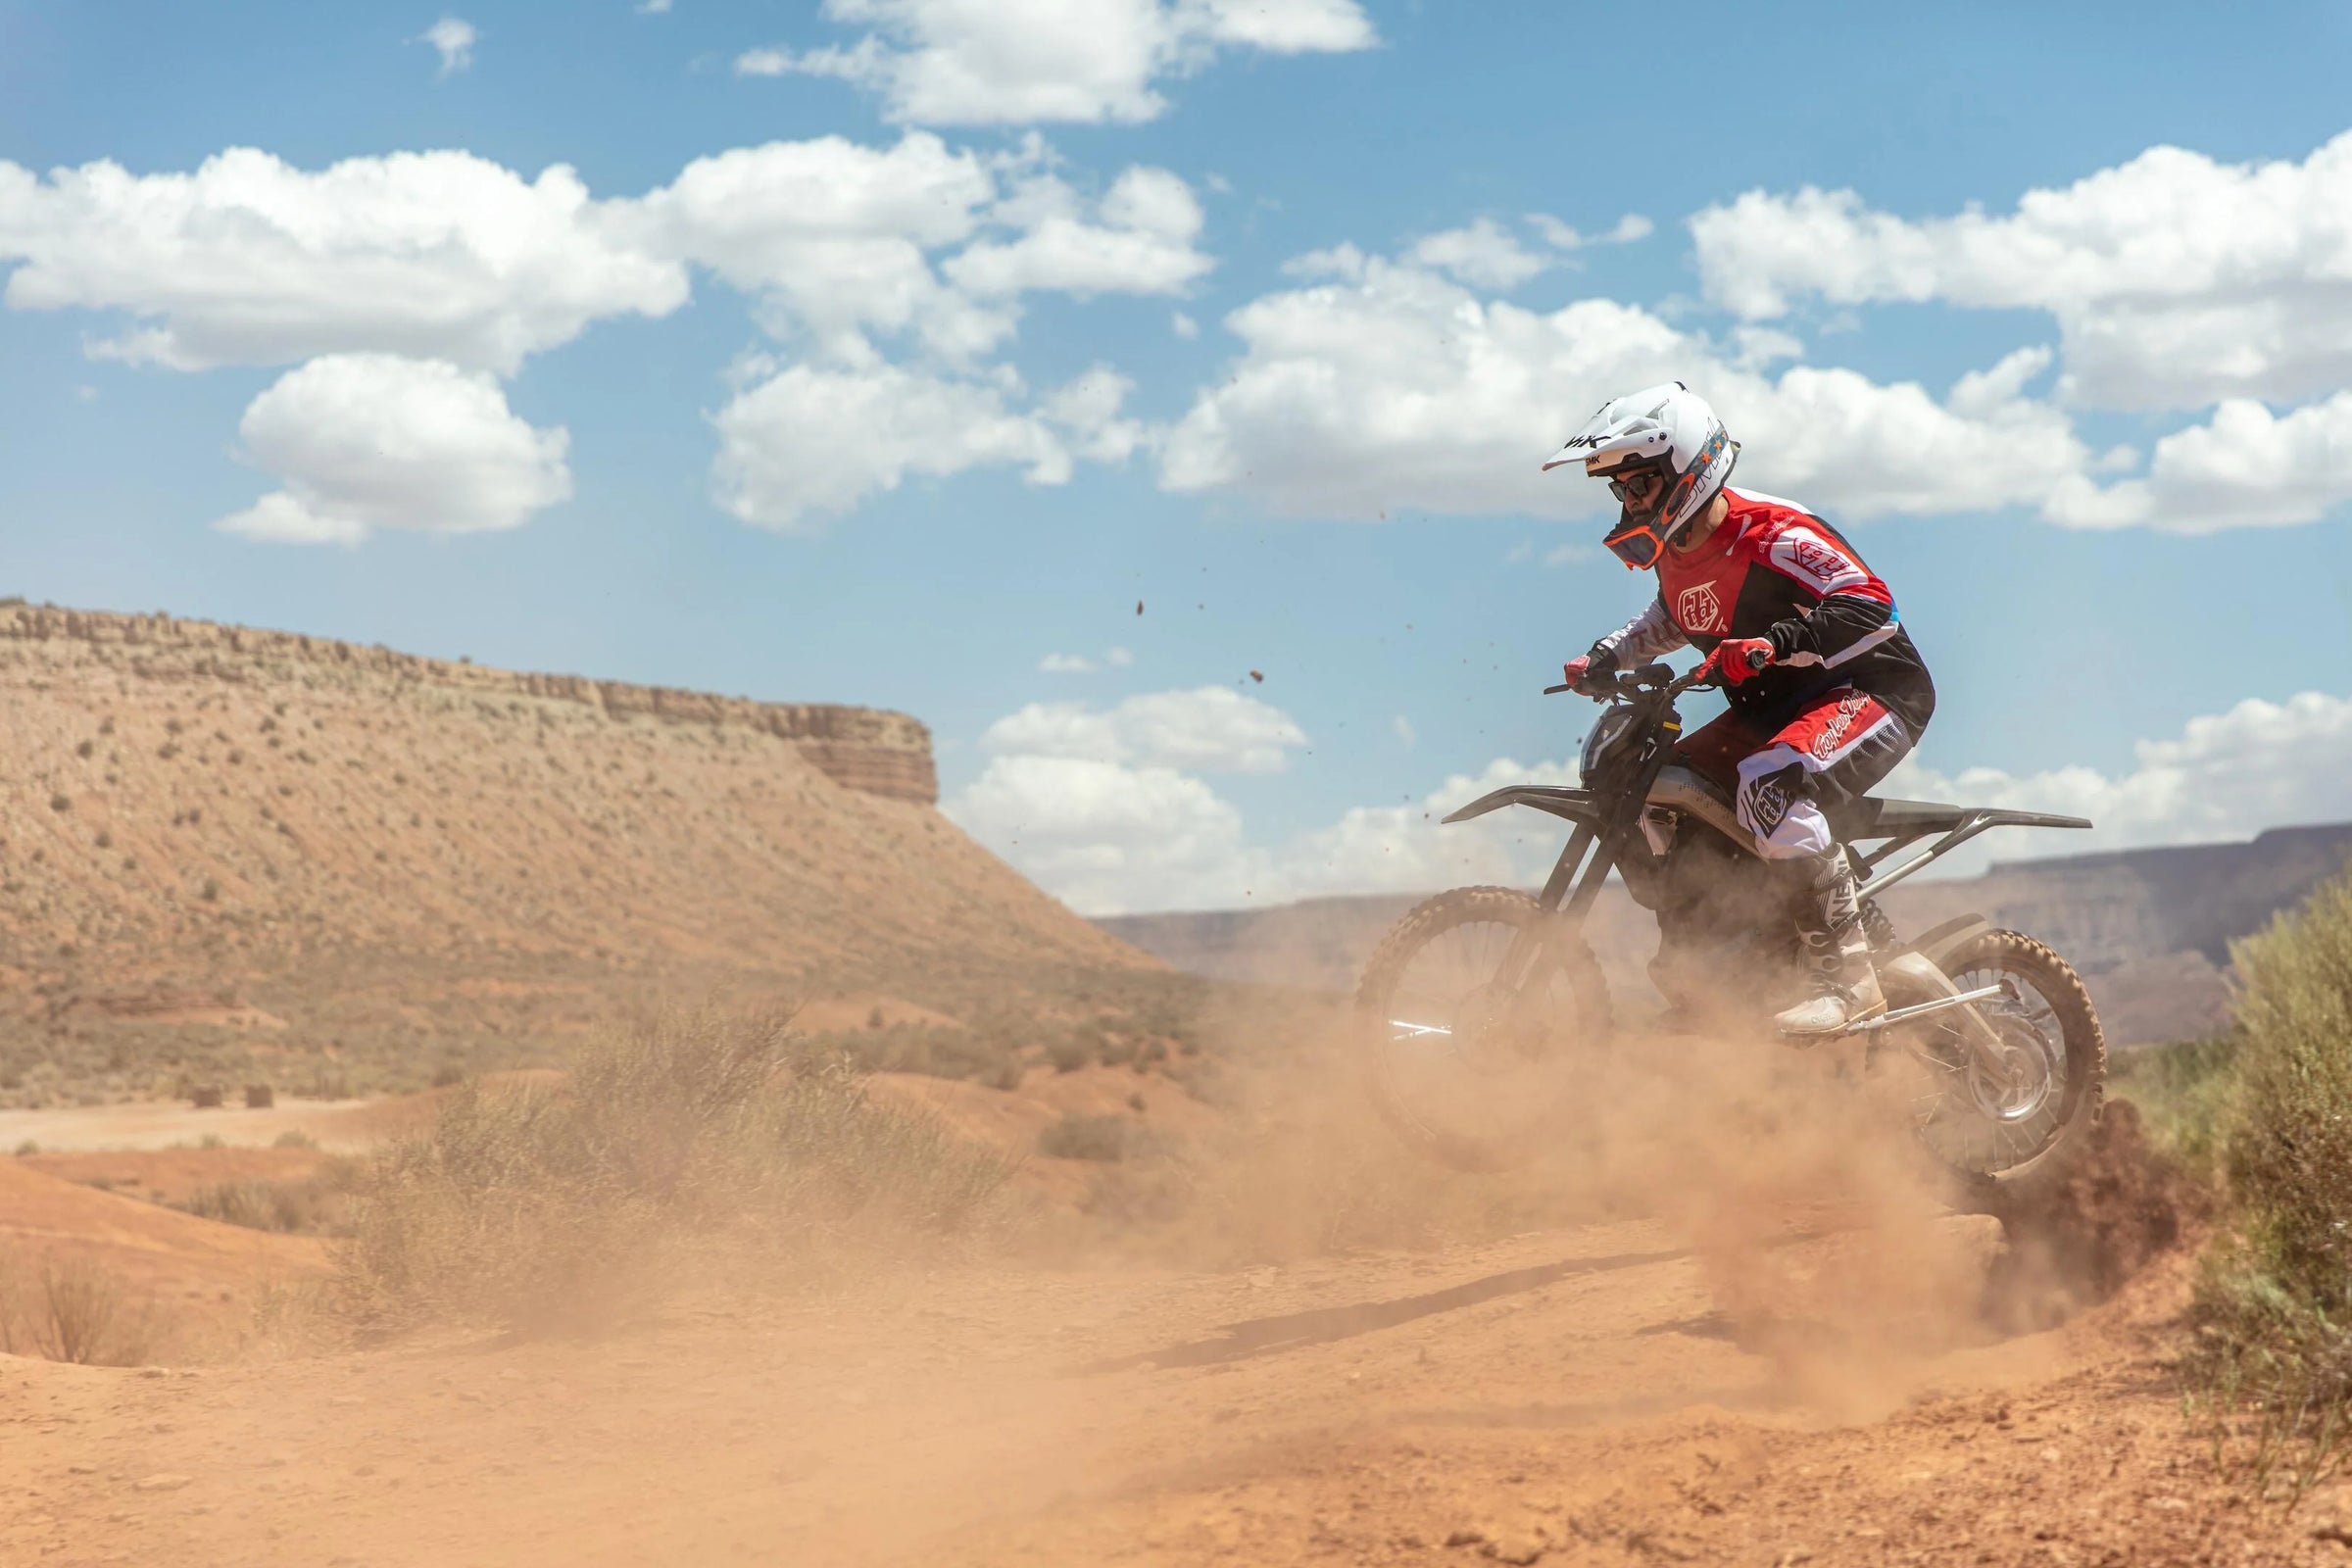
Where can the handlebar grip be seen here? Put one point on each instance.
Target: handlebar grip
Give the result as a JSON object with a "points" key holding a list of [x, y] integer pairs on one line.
{"points": [[1554, 691]]}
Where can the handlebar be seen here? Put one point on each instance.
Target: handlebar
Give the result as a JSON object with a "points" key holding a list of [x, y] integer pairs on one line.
{"points": [[1626, 684]]}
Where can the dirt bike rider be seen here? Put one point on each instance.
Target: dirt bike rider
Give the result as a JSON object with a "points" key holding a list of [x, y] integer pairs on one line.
{"points": [[1827, 693]]}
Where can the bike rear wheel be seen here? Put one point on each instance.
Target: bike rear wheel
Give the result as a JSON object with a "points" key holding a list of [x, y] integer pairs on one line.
{"points": [[1464, 1065], [2011, 1146]]}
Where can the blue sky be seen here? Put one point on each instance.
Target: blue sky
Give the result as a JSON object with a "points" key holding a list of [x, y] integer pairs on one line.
{"points": [[892, 351]]}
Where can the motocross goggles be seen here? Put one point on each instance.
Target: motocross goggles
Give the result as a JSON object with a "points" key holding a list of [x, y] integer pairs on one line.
{"points": [[1640, 535]]}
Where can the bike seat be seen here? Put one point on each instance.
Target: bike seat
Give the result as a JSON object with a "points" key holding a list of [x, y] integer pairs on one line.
{"points": [[1874, 818]]}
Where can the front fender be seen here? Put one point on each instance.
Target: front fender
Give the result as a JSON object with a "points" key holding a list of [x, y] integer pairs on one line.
{"points": [[1575, 805]]}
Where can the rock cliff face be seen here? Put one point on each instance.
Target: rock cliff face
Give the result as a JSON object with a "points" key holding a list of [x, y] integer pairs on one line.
{"points": [[223, 846], [866, 748]]}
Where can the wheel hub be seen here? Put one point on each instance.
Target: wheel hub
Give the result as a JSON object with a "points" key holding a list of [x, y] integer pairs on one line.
{"points": [[2025, 1059], [1491, 1032]]}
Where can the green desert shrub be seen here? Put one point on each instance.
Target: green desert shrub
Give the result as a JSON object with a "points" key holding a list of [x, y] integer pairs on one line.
{"points": [[2275, 1297], [2185, 1093]]}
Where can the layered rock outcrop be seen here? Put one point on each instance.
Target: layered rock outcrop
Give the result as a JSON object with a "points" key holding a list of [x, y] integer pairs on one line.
{"points": [[872, 749]]}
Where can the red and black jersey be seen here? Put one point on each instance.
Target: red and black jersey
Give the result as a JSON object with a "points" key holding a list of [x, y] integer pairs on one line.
{"points": [[1774, 569]]}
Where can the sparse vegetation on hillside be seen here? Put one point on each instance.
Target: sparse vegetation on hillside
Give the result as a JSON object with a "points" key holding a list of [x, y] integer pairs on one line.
{"points": [[2274, 1354], [318, 1205], [1144, 1020], [538, 1207]]}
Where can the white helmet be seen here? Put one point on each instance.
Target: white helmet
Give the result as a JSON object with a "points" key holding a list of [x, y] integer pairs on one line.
{"points": [[1666, 458]]}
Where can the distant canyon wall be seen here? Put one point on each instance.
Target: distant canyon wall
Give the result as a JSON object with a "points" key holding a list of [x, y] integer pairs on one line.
{"points": [[871, 750]]}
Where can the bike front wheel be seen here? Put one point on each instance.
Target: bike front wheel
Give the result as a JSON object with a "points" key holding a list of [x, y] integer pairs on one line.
{"points": [[1470, 1065]]}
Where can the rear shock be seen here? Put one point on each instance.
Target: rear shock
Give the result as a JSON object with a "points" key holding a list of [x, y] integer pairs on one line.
{"points": [[1879, 928]]}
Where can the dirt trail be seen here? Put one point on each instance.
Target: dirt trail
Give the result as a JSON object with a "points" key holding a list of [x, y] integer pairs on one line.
{"points": [[1581, 1397]]}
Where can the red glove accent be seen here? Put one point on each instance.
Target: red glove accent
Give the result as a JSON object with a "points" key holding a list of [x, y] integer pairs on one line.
{"points": [[1735, 658], [1576, 670]]}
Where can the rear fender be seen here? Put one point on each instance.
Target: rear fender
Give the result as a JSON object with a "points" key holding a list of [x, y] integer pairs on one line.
{"points": [[1917, 973], [1940, 943]]}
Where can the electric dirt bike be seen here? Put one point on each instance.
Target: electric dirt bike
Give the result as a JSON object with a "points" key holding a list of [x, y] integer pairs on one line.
{"points": [[1483, 1016]]}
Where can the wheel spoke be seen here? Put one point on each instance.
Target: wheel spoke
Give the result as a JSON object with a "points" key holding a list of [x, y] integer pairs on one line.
{"points": [[1460, 1055]]}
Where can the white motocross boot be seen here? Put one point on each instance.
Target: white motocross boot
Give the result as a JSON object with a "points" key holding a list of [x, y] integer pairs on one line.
{"points": [[1846, 984]]}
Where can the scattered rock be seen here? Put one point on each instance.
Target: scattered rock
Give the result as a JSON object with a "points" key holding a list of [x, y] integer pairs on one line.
{"points": [[1466, 1535], [1515, 1546], [164, 1482]]}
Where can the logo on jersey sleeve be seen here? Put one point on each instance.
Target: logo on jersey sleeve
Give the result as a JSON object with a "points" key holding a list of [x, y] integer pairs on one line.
{"points": [[1699, 608], [1819, 560], [1800, 552]]}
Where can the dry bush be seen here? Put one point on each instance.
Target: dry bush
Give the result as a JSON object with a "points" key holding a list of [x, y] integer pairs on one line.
{"points": [[316, 1207], [2274, 1357], [72, 1310], [979, 1056], [542, 1207], [1108, 1138]]}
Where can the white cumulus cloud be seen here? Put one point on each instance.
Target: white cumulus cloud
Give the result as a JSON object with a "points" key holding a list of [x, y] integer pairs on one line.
{"points": [[1107, 808], [249, 260], [1107, 838], [848, 241], [1212, 729], [1391, 385], [369, 441], [1115, 837], [2243, 469], [1027, 62], [1140, 242], [2228, 775], [1080, 664], [810, 441], [834, 232], [452, 40], [1561, 236], [2175, 279], [1483, 255]]}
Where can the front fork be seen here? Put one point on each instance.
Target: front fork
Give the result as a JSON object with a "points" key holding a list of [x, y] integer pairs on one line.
{"points": [[1556, 942]]}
